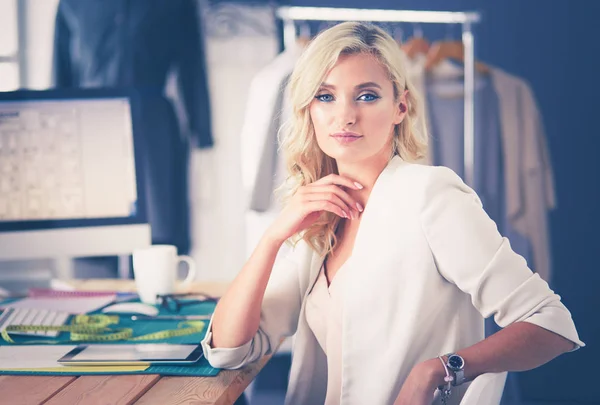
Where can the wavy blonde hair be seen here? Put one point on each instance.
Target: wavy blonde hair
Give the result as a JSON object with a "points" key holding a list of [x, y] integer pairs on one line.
{"points": [[305, 161]]}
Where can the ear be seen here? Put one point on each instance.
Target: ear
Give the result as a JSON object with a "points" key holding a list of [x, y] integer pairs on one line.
{"points": [[401, 108]]}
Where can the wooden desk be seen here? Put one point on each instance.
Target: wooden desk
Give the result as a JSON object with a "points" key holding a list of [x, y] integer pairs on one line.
{"points": [[144, 389]]}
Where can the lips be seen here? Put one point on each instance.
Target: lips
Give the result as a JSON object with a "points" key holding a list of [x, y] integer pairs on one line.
{"points": [[346, 135]]}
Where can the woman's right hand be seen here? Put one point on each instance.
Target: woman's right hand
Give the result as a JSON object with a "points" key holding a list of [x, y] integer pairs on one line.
{"points": [[305, 207]]}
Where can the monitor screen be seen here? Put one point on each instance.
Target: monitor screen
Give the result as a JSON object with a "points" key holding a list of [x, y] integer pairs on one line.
{"points": [[66, 159], [71, 175]]}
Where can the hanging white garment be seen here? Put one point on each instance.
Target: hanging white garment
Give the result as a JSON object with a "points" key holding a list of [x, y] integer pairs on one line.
{"points": [[240, 40], [529, 181], [262, 120], [263, 167]]}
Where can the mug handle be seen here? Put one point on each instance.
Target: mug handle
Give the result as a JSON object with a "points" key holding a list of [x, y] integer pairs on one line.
{"points": [[191, 265]]}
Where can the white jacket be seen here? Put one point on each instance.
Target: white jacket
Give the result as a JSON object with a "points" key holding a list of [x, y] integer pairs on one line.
{"points": [[427, 266]]}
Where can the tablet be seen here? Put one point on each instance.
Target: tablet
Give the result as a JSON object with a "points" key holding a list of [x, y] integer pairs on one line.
{"points": [[133, 354]]}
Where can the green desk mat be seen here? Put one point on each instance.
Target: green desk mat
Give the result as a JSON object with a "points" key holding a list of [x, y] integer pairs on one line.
{"points": [[201, 369]]}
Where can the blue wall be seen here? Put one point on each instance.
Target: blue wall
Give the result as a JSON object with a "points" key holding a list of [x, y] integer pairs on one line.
{"points": [[552, 45]]}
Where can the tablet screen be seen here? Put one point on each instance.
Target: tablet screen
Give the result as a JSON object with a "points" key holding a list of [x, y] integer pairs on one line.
{"points": [[140, 352]]}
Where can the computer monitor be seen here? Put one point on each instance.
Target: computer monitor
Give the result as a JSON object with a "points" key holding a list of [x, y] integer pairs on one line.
{"points": [[71, 181]]}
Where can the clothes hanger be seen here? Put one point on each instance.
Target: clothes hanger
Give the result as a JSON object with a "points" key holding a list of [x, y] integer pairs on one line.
{"points": [[441, 52], [416, 45]]}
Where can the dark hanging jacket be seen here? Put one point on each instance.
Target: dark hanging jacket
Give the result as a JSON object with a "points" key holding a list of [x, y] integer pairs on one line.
{"points": [[136, 44]]}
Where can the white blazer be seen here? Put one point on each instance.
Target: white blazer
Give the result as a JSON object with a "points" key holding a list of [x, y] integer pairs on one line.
{"points": [[428, 266]]}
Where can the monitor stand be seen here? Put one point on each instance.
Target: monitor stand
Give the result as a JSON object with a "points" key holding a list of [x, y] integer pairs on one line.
{"points": [[64, 267], [17, 276]]}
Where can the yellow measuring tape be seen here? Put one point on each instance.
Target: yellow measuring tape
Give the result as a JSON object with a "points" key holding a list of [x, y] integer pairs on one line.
{"points": [[95, 328]]}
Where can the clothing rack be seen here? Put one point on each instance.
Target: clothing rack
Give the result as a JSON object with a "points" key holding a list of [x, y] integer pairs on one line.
{"points": [[467, 19]]}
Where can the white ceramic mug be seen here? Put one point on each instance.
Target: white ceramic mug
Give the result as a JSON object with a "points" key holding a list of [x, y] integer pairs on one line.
{"points": [[155, 271]]}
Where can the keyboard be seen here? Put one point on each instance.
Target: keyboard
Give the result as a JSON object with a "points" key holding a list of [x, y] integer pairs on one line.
{"points": [[34, 317]]}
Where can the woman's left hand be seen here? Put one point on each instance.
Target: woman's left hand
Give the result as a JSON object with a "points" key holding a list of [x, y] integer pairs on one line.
{"points": [[419, 388]]}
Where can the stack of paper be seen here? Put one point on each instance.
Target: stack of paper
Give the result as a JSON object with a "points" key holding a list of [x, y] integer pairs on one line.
{"points": [[45, 358]]}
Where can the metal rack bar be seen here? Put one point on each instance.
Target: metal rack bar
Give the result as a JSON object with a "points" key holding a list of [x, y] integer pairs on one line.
{"points": [[357, 14]]}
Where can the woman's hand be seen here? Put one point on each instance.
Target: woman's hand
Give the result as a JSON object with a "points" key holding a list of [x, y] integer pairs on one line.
{"points": [[420, 385], [305, 207]]}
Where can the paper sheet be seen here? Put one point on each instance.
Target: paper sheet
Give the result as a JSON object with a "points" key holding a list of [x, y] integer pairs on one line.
{"points": [[79, 305], [44, 358], [82, 370]]}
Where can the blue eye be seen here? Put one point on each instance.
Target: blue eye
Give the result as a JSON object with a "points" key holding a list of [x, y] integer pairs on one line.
{"points": [[324, 97], [368, 97]]}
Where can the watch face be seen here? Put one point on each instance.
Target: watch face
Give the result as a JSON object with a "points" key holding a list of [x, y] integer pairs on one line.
{"points": [[455, 362]]}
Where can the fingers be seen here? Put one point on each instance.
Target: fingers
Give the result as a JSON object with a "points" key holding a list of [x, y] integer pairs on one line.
{"points": [[324, 205], [331, 197], [334, 193], [338, 180], [327, 194]]}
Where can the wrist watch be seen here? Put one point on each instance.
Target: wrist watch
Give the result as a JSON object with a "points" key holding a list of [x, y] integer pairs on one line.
{"points": [[457, 365]]}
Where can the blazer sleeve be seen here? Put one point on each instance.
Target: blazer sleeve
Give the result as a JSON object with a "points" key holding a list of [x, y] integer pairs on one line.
{"points": [[62, 73], [279, 317], [193, 75], [470, 253]]}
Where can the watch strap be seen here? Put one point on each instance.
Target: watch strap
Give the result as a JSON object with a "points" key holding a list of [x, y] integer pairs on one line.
{"points": [[459, 377]]}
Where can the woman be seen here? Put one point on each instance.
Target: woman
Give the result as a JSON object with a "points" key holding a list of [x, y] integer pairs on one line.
{"points": [[397, 264]]}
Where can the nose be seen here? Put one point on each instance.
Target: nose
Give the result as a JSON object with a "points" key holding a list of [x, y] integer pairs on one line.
{"points": [[346, 114]]}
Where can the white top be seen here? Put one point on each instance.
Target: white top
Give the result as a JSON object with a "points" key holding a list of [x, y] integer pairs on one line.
{"points": [[324, 316], [428, 265]]}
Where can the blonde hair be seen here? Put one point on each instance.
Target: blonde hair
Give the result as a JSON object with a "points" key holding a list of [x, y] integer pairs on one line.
{"points": [[305, 160]]}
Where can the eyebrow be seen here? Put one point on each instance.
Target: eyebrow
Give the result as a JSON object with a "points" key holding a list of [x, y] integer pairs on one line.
{"points": [[359, 87]]}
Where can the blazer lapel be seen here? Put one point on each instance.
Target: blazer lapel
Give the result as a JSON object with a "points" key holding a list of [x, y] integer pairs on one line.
{"points": [[375, 209], [378, 195]]}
